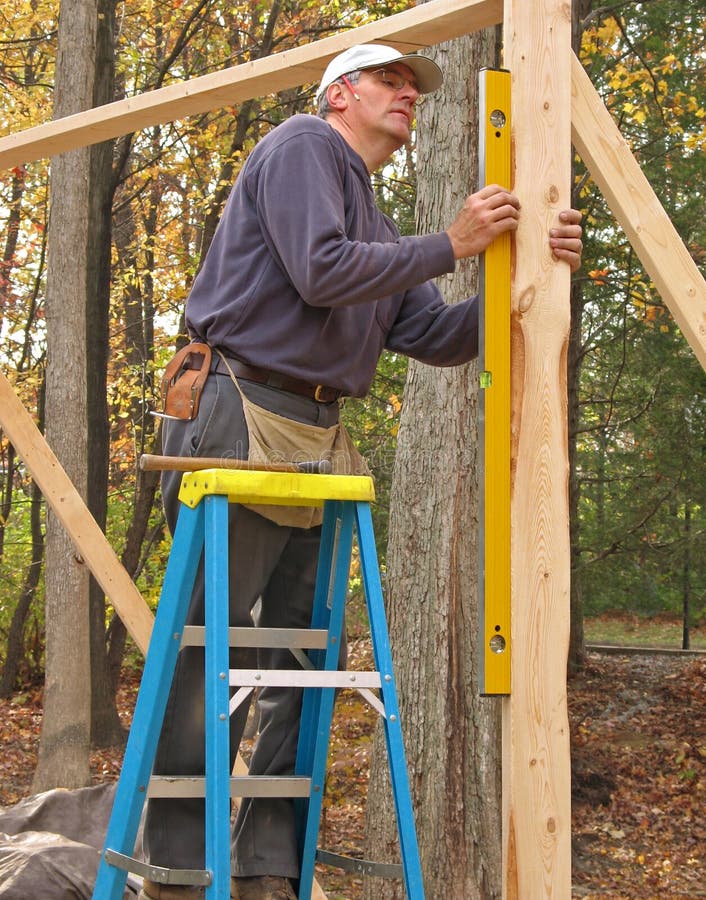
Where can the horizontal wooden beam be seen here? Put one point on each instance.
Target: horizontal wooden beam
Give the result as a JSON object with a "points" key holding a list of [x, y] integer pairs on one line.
{"points": [[422, 26], [638, 210]]}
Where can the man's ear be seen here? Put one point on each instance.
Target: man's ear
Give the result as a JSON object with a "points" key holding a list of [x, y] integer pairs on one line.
{"points": [[336, 96]]}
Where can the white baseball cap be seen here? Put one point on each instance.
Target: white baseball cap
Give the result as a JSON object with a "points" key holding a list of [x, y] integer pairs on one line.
{"points": [[370, 56]]}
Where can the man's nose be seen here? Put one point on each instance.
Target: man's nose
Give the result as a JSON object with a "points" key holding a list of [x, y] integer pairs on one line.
{"points": [[410, 92]]}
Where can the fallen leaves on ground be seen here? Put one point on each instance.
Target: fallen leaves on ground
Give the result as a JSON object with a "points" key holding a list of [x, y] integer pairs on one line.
{"points": [[639, 777], [638, 725]]}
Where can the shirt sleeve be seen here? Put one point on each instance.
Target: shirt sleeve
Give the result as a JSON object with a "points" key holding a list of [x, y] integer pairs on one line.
{"points": [[300, 200], [433, 331]]}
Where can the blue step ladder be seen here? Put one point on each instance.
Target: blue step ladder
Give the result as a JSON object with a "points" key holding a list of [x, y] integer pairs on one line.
{"points": [[203, 528]]}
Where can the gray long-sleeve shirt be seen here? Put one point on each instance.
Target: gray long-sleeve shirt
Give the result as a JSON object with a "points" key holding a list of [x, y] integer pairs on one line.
{"points": [[305, 276]]}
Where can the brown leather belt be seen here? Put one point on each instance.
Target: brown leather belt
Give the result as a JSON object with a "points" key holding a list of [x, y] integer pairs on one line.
{"points": [[318, 392]]}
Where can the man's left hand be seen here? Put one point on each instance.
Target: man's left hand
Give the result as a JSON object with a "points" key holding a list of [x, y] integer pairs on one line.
{"points": [[565, 238]]}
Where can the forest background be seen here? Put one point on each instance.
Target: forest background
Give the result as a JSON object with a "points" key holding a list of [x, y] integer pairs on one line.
{"points": [[637, 395]]}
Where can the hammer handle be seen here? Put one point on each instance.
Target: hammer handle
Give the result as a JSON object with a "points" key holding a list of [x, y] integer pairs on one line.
{"points": [[150, 462]]}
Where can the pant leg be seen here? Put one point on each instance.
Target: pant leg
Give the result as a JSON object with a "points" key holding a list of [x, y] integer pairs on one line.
{"points": [[264, 836], [174, 828]]}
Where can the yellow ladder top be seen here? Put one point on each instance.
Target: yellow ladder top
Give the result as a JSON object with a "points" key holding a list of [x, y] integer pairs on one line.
{"points": [[276, 488]]}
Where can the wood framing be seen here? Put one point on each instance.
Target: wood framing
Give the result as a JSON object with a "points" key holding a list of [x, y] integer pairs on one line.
{"points": [[536, 758], [422, 26]]}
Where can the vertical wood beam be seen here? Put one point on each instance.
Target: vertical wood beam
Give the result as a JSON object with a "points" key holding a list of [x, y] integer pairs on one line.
{"points": [[536, 758]]}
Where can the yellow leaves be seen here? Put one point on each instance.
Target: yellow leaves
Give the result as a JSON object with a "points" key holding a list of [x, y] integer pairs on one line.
{"points": [[639, 116], [649, 81], [634, 112], [670, 63], [27, 37], [650, 313], [696, 141], [602, 39]]}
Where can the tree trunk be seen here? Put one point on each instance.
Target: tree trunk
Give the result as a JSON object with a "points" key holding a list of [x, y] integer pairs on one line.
{"points": [[106, 728], [7, 488], [452, 735], [686, 596], [16, 655], [16, 652], [64, 745], [577, 646]]}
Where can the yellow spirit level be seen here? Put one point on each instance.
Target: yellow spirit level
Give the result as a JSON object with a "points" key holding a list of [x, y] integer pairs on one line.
{"points": [[495, 155]]}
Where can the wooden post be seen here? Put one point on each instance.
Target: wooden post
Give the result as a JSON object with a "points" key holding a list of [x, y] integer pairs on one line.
{"points": [[536, 759]]}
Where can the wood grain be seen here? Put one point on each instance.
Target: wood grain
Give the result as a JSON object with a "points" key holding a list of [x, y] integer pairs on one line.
{"points": [[536, 761]]}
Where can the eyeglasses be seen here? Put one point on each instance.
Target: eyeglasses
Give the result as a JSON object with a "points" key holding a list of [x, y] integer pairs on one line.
{"points": [[394, 80]]}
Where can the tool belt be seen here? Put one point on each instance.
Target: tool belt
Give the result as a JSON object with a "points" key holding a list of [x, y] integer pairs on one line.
{"points": [[187, 372], [318, 392], [184, 379]]}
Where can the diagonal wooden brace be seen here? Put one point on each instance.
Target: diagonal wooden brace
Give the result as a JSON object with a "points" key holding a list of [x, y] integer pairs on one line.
{"points": [[69, 507]]}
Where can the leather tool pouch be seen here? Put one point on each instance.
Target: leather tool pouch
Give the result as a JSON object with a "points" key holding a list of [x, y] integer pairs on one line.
{"points": [[184, 379]]}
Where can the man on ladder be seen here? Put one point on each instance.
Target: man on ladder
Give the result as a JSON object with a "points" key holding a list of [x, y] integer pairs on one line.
{"points": [[303, 287]]}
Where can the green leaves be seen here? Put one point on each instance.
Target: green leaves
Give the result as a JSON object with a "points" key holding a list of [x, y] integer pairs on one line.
{"points": [[642, 435]]}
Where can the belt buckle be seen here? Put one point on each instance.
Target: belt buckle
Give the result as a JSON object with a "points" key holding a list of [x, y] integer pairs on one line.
{"points": [[317, 393]]}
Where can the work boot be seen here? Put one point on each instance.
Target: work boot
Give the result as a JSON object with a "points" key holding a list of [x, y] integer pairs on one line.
{"points": [[151, 890], [262, 887]]}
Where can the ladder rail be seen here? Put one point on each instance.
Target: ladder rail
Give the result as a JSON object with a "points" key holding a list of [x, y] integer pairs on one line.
{"points": [[382, 654], [217, 716], [160, 664]]}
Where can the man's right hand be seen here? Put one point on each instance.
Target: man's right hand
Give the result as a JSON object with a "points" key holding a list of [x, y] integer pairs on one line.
{"points": [[485, 215]]}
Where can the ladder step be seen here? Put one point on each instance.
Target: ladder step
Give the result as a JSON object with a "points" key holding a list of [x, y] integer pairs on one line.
{"points": [[306, 679], [160, 874], [359, 866], [287, 638], [194, 786]]}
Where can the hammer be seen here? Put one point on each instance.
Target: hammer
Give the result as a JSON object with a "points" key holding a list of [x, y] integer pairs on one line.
{"points": [[150, 462]]}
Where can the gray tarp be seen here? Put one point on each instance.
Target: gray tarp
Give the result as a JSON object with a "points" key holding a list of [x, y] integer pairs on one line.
{"points": [[50, 844]]}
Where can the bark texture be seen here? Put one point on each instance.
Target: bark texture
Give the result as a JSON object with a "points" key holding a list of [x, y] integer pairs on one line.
{"points": [[451, 733], [64, 746]]}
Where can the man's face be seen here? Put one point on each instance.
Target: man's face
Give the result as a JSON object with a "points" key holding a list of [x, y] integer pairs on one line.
{"points": [[387, 98]]}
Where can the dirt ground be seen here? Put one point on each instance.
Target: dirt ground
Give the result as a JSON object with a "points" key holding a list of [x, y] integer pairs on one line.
{"points": [[638, 727]]}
